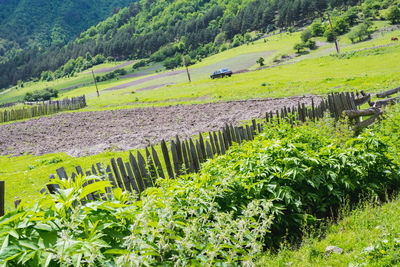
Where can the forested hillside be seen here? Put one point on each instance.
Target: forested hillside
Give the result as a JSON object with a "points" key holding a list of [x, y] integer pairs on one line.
{"points": [[167, 29], [45, 23]]}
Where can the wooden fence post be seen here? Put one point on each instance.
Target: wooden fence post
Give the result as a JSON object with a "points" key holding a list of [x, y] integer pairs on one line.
{"points": [[2, 192]]}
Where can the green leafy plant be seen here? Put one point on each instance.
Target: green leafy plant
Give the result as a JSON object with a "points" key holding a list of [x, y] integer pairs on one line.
{"points": [[41, 95]]}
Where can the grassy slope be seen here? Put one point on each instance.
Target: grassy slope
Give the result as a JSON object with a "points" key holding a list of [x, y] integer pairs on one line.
{"points": [[364, 227], [317, 72]]}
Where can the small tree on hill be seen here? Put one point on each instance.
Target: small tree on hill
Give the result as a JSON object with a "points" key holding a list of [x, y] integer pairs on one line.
{"points": [[306, 35], [299, 47], [261, 61], [311, 44], [317, 29], [361, 32]]}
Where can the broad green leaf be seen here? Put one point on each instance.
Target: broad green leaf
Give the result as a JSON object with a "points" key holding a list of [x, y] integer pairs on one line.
{"points": [[97, 186], [116, 251]]}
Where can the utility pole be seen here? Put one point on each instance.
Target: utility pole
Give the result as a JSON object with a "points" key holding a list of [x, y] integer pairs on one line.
{"points": [[95, 83], [334, 35], [187, 70]]}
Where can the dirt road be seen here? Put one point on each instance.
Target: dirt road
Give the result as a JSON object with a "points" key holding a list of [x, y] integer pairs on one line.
{"points": [[88, 133]]}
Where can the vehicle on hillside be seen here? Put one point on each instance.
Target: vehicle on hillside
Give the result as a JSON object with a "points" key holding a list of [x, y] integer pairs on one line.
{"points": [[221, 73]]}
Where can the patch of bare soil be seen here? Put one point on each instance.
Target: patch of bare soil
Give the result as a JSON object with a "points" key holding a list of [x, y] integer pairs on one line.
{"points": [[153, 87], [143, 80], [88, 133], [103, 70]]}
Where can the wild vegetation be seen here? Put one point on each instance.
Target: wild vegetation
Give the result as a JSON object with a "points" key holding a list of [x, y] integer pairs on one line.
{"points": [[239, 204], [367, 232], [268, 202], [41, 95]]}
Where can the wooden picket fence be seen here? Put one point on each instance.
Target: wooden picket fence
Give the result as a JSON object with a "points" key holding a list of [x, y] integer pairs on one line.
{"points": [[36, 109], [135, 174], [7, 105]]}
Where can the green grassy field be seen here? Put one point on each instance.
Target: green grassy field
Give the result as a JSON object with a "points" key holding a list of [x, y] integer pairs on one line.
{"points": [[318, 72], [315, 73]]}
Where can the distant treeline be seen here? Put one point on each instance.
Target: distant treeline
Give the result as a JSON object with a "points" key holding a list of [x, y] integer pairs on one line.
{"points": [[166, 29]]}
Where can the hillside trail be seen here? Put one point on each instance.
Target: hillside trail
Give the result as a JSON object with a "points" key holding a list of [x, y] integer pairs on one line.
{"points": [[239, 63], [103, 70], [89, 133]]}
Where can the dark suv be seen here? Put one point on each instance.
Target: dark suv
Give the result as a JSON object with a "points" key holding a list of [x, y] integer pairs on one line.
{"points": [[221, 73]]}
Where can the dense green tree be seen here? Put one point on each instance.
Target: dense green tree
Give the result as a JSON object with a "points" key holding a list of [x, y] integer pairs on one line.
{"points": [[306, 35], [200, 27], [361, 32], [394, 15], [299, 47]]}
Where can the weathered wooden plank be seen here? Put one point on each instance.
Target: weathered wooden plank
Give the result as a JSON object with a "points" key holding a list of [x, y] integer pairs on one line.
{"points": [[157, 163], [243, 133], [202, 147], [2, 197], [178, 144], [364, 112], [79, 170], [221, 142], [124, 175], [249, 133], [208, 150], [53, 188], [175, 159], [101, 173], [304, 111], [42, 191], [136, 172], [228, 135], [217, 145], [73, 176], [238, 136], [167, 160], [111, 177], [233, 134], [193, 152], [62, 174], [185, 158], [277, 117], [225, 138], [191, 161], [359, 126], [259, 127], [332, 106], [117, 175], [94, 195], [132, 179], [16, 203], [143, 170], [199, 152], [151, 166], [94, 170], [385, 102], [388, 93], [212, 143], [267, 117], [99, 168]]}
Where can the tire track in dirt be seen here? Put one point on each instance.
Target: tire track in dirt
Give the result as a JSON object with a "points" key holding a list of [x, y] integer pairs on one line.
{"points": [[103, 70], [143, 80], [88, 133]]}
